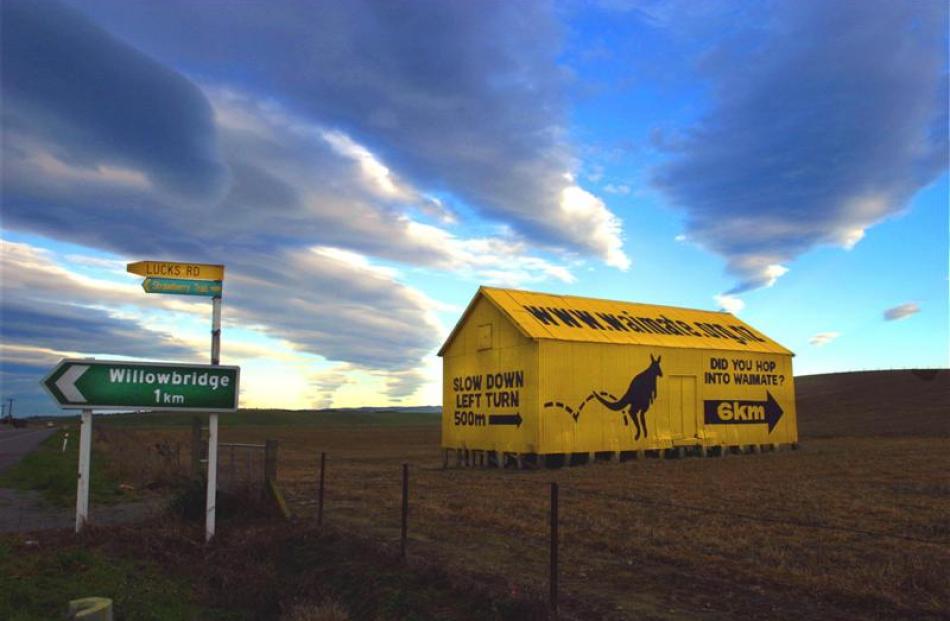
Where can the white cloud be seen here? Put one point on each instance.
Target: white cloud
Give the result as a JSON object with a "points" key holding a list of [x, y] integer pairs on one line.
{"points": [[596, 173], [33, 273], [352, 202], [729, 303], [355, 261], [756, 271], [849, 238], [378, 175], [324, 384], [622, 189], [58, 172], [903, 311], [587, 217], [495, 260], [823, 338]]}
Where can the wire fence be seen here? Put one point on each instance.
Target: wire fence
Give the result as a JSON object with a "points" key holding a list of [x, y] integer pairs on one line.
{"points": [[553, 558], [241, 468]]}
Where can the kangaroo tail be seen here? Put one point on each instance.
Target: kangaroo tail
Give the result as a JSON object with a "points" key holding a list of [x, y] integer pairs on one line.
{"points": [[616, 405]]}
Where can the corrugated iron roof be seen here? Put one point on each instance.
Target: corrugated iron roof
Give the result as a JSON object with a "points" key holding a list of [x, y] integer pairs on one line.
{"points": [[592, 320]]}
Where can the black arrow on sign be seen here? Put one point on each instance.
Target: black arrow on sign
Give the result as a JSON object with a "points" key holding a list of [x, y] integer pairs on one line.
{"points": [[738, 412], [505, 419]]}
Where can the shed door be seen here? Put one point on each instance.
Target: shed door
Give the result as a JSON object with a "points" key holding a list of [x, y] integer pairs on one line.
{"points": [[683, 412]]}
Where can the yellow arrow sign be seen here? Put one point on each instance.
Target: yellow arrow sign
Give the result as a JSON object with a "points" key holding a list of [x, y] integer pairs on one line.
{"points": [[171, 269]]}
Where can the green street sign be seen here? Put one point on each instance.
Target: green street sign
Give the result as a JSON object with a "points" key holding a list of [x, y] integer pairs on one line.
{"points": [[207, 288], [80, 383]]}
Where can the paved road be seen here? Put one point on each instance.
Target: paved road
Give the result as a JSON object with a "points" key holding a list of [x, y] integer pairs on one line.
{"points": [[16, 443]]}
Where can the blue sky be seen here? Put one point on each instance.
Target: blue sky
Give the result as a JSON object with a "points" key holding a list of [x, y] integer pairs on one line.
{"points": [[362, 167]]}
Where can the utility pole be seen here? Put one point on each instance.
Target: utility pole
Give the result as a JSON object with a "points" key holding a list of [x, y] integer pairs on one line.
{"points": [[10, 407]]}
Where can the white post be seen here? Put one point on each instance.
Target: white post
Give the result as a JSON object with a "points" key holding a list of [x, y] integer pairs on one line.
{"points": [[212, 475], [215, 331], [85, 454], [213, 424]]}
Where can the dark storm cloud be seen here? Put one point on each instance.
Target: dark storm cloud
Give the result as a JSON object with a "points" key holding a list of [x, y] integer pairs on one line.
{"points": [[440, 94], [291, 191], [325, 302], [97, 101], [34, 327], [37, 326], [21, 382], [322, 303], [827, 118], [62, 327], [459, 97]]}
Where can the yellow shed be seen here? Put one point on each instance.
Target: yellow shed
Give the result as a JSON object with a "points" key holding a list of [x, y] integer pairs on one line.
{"points": [[532, 374]]}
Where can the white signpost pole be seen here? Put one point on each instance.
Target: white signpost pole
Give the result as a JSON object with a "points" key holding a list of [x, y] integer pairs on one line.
{"points": [[82, 486], [216, 330], [212, 475], [213, 424]]}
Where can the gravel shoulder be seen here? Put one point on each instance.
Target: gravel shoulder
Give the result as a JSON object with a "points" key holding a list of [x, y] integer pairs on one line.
{"points": [[25, 511]]}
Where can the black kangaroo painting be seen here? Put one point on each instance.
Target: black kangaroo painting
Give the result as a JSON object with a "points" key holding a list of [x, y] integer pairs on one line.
{"points": [[636, 401], [639, 396]]}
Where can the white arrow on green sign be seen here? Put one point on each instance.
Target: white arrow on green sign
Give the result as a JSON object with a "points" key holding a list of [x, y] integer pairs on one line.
{"points": [[207, 288], [112, 384]]}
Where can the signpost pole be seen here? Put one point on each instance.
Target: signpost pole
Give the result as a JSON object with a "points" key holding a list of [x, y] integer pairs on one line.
{"points": [[216, 330], [212, 475], [82, 486], [213, 423]]}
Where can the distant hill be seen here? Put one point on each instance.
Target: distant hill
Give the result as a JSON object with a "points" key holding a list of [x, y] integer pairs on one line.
{"points": [[413, 409], [874, 403]]}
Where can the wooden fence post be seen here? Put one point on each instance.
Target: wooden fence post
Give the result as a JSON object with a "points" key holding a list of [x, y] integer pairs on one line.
{"points": [[554, 542], [405, 507], [323, 469]]}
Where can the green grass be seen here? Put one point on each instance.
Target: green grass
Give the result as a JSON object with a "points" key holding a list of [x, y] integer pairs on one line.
{"points": [[53, 473], [39, 582]]}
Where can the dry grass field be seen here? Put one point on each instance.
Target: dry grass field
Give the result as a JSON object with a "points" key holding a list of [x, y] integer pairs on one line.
{"points": [[853, 525]]}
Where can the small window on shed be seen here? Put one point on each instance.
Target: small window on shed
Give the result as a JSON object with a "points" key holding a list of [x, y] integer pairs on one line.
{"points": [[484, 336]]}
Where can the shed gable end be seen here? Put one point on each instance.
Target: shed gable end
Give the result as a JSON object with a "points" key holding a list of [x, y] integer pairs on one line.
{"points": [[483, 327]]}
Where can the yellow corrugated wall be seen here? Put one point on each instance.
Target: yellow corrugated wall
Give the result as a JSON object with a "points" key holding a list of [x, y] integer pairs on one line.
{"points": [[572, 420], [471, 397]]}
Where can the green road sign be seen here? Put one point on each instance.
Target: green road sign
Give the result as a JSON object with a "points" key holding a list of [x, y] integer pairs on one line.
{"points": [[207, 288], [78, 383]]}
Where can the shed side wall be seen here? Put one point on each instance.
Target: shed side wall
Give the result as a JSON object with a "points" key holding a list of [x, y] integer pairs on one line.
{"points": [[574, 421]]}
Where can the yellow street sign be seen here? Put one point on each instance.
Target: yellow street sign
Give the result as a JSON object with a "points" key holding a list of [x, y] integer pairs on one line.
{"points": [[171, 269]]}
